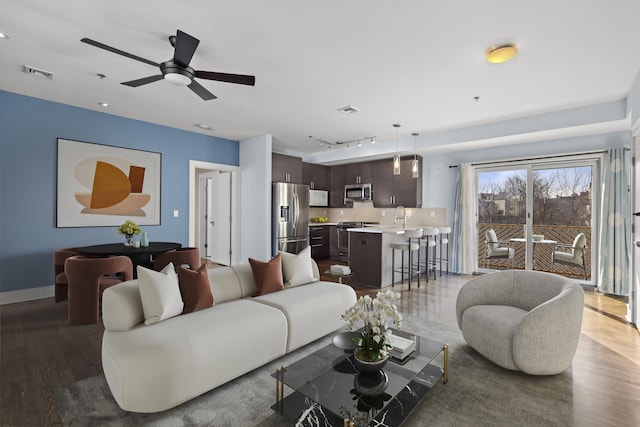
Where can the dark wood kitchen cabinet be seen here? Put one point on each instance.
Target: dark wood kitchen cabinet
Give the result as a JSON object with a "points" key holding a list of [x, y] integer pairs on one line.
{"points": [[391, 190], [365, 258], [319, 241], [359, 173], [315, 176], [337, 181], [286, 168]]}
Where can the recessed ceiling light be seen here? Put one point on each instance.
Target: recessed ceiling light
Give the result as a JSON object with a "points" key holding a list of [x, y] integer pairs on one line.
{"points": [[204, 126], [4, 36], [502, 53], [349, 109], [104, 104]]}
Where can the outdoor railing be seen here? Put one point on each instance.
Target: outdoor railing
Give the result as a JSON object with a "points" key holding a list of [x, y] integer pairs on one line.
{"points": [[559, 233]]}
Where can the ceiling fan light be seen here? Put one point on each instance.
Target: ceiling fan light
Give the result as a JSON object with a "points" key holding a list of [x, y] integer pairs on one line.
{"points": [[500, 54], [177, 79]]}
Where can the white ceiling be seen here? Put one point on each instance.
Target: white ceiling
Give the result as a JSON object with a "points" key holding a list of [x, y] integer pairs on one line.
{"points": [[415, 62]]}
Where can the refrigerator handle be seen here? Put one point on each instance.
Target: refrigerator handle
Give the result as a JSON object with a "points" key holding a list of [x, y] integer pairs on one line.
{"points": [[296, 213]]}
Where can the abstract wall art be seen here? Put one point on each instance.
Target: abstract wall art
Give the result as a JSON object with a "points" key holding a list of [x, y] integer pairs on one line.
{"points": [[101, 185]]}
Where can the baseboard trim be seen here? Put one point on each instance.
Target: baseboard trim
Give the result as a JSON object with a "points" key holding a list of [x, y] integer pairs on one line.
{"points": [[12, 297]]}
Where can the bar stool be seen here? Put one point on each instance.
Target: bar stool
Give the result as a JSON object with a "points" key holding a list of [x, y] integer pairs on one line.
{"points": [[408, 246], [444, 241], [428, 240]]}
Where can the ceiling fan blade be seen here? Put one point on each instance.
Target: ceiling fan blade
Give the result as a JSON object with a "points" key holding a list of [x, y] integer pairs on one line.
{"points": [[143, 81], [201, 91], [118, 51], [185, 48], [229, 78]]}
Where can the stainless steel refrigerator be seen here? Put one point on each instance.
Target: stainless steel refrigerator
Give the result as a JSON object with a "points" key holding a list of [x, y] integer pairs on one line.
{"points": [[290, 217]]}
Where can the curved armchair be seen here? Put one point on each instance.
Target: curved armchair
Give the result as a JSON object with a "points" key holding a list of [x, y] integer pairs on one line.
{"points": [[61, 283], [88, 278], [179, 257], [497, 249], [572, 255], [522, 320]]}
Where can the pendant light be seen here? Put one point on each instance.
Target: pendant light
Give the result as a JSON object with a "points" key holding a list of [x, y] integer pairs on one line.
{"points": [[396, 157], [415, 172]]}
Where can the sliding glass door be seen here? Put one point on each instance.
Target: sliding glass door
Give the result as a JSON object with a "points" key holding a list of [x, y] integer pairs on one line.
{"points": [[536, 209]]}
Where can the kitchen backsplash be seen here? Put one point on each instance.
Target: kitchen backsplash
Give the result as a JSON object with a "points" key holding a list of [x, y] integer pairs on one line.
{"points": [[364, 211]]}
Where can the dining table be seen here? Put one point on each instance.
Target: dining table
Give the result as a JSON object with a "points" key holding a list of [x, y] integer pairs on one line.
{"points": [[138, 255]]}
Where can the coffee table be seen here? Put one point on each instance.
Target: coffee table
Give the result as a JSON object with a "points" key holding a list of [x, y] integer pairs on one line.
{"points": [[327, 390]]}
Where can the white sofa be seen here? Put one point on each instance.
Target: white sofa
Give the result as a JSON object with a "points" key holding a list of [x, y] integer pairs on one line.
{"points": [[154, 368]]}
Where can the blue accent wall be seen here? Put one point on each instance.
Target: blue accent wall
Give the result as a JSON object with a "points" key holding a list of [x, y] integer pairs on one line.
{"points": [[29, 128]]}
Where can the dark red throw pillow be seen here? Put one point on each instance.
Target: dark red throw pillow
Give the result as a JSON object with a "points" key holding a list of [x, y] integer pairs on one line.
{"points": [[267, 275], [195, 288]]}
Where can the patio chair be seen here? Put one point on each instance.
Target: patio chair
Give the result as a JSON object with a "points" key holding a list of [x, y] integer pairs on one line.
{"points": [[572, 255], [497, 249]]}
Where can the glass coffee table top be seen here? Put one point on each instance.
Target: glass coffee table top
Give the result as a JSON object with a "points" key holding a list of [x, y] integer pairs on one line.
{"points": [[326, 386]]}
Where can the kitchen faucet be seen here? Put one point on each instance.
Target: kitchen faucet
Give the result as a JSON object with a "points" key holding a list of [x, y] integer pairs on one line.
{"points": [[403, 217]]}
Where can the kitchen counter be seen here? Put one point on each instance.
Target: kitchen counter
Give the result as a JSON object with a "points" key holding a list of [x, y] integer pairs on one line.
{"points": [[391, 229], [321, 223], [370, 254]]}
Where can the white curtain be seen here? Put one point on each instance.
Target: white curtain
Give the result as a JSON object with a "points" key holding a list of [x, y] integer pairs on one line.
{"points": [[615, 246], [468, 245]]}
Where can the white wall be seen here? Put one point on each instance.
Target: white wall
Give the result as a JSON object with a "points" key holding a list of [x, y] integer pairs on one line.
{"points": [[255, 198]]}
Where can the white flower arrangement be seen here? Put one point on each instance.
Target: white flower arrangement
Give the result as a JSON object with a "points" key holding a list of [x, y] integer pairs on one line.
{"points": [[378, 315]]}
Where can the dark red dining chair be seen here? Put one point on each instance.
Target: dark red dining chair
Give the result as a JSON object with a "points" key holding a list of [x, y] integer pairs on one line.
{"points": [[61, 283], [180, 257], [88, 278]]}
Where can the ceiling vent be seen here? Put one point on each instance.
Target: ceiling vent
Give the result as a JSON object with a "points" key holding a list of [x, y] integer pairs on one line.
{"points": [[38, 73], [348, 109]]}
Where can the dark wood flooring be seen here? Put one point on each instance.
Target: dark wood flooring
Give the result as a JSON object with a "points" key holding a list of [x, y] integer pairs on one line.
{"points": [[40, 351]]}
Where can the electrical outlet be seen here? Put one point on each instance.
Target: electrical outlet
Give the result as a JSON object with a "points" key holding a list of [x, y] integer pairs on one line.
{"points": [[176, 214], [341, 212], [433, 214], [383, 213]]}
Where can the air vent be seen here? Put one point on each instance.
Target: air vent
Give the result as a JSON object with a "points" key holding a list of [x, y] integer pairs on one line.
{"points": [[348, 109], [38, 73]]}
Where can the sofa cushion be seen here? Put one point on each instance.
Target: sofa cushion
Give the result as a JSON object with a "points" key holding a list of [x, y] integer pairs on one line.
{"points": [[160, 294], [122, 307], [312, 310], [267, 275], [195, 288], [296, 269]]}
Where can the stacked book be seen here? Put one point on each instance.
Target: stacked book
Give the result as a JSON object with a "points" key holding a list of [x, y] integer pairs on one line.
{"points": [[402, 347], [340, 269]]}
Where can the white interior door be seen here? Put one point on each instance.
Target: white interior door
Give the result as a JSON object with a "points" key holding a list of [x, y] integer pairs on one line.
{"points": [[216, 221]]}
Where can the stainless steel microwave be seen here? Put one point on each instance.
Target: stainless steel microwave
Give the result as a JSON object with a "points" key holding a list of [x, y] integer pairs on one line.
{"points": [[357, 192]]}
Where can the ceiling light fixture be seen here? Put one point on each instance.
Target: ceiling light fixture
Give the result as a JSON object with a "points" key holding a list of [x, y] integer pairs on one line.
{"points": [[357, 141], [203, 126], [415, 171], [396, 157], [502, 53], [104, 104], [373, 141], [4, 36]]}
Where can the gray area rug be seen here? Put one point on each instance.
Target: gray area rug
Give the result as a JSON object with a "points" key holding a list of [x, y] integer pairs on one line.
{"points": [[478, 393]]}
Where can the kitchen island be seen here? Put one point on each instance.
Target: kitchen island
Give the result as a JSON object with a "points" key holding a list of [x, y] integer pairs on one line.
{"points": [[370, 254]]}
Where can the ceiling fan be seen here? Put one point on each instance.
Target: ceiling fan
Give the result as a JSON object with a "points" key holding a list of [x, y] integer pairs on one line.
{"points": [[176, 70]]}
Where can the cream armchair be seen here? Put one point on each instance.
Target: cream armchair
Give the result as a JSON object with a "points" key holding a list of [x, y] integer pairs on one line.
{"points": [[522, 320], [572, 255]]}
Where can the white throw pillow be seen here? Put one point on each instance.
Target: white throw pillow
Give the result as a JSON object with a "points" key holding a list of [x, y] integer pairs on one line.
{"points": [[160, 294], [297, 269]]}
